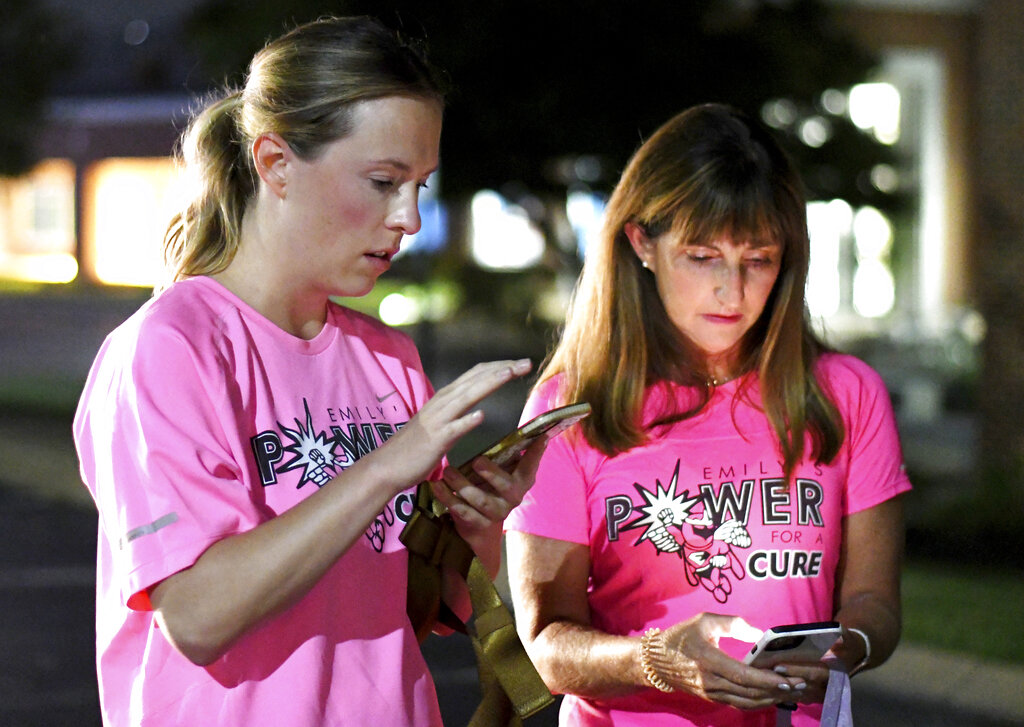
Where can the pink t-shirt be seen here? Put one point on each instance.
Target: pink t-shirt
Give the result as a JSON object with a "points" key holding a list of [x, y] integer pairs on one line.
{"points": [[200, 420], [700, 519]]}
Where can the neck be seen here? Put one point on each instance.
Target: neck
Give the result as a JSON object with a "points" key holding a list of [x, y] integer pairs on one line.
{"points": [[253, 276]]}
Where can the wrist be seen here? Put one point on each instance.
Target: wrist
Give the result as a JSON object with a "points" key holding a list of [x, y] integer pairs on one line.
{"points": [[655, 662], [863, 663]]}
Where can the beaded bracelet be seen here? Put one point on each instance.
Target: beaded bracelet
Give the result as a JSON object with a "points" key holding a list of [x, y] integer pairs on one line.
{"points": [[651, 644]]}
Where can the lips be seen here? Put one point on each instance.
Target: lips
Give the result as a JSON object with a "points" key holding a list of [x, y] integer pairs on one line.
{"points": [[723, 319], [384, 255]]}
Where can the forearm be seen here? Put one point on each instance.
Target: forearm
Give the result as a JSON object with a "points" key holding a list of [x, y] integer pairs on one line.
{"points": [[247, 578], [868, 594], [577, 659], [880, 621]]}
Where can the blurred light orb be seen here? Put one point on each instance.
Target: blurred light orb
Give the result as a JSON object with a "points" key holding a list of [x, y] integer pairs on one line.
{"points": [[815, 131], [779, 113], [398, 310], [587, 168], [875, 107], [834, 101], [136, 32], [885, 178], [973, 327], [872, 232], [503, 237]]}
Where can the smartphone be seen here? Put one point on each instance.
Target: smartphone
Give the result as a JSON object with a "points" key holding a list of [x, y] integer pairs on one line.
{"points": [[794, 644], [508, 450]]}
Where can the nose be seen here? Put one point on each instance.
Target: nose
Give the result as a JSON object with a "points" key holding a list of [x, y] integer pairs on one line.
{"points": [[405, 214], [729, 288]]}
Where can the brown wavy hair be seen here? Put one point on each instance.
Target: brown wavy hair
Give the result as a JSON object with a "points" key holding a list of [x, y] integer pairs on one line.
{"points": [[303, 86], [709, 172]]}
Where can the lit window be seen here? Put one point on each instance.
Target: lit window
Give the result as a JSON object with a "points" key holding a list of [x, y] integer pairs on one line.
{"points": [[130, 203], [37, 224]]}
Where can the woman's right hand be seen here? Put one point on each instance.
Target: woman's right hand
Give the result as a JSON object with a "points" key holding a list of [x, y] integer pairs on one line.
{"points": [[416, 450], [696, 664]]}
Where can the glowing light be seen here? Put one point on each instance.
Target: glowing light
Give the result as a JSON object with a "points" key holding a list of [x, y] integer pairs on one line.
{"points": [[827, 224], [503, 237], [53, 268], [876, 107], [872, 232], [37, 224], [834, 101], [874, 290], [779, 113], [132, 202], [585, 211], [885, 178], [399, 310], [815, 131]]}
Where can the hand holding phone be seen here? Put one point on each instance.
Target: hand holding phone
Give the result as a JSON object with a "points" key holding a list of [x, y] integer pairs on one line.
{"points": [[507, 451], [794, 644]]}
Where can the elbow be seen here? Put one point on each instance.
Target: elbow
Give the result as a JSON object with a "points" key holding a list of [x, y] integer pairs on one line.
{"points": [[200, 654], [199, 644]]}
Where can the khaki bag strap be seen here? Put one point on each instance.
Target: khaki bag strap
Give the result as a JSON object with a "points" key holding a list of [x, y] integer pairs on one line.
{"points": [[510, 685]]}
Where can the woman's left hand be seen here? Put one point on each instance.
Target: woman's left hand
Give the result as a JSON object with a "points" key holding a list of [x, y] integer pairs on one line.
{"points": [[479, 509], [815, 676]]}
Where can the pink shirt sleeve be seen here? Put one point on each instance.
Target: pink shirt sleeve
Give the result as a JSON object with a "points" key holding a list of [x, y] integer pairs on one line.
{"points": [[876, 471], [172, 486], [560, 479]]}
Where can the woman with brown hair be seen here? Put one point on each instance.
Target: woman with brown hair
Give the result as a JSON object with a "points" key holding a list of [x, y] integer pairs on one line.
{"points": [[735, 474]]}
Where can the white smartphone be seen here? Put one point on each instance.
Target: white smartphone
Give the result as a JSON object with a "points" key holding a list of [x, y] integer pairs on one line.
{"points": [[802, 643], [507, 451]]}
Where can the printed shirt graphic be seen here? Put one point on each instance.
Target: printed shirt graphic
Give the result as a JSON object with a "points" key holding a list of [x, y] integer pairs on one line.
{"points": [[702, 520], [201, 420]]}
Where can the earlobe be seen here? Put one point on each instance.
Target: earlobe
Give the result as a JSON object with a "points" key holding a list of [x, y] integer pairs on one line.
{"points": [[641, 243], [271, 156]]}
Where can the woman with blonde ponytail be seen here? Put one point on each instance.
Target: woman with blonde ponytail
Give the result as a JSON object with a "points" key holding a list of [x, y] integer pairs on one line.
{"points": [[735, 474], [251, 445]]}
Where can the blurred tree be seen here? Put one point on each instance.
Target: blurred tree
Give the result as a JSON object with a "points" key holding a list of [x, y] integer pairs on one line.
{"points": [[536, 81], [32, 53], [539, 84]]}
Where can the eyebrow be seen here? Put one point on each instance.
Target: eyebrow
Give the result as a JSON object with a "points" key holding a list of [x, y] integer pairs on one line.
{"points": [[398, 164], [747, 245]]}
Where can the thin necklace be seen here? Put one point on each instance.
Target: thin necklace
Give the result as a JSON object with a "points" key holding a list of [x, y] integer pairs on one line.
{"points": [[715, 381]]}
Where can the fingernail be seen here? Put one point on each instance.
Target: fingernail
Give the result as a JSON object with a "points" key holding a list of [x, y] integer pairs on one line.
{"points": [[522, 364], [784, 687], [780, 669], [801, 686]]}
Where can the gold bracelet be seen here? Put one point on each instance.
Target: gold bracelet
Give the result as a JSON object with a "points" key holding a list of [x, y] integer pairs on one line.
{"points": [[651, 643]]}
